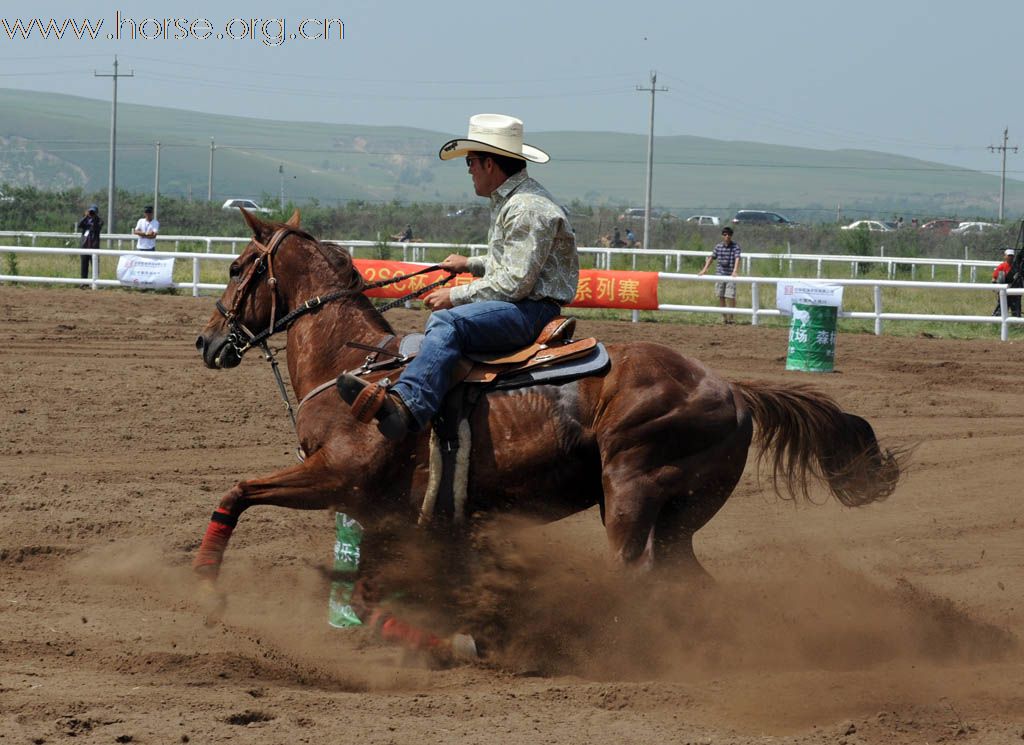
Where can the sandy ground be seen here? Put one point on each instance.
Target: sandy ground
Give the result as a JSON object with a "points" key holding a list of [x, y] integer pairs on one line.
{"points": [[895, 623]]}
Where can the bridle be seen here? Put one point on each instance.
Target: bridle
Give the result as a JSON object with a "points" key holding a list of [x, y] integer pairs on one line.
{"points": [[239, 336], [241, 339]]}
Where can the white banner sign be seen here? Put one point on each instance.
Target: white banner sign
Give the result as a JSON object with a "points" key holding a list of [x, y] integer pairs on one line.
{"points": [[143, 271], [788, 292]]}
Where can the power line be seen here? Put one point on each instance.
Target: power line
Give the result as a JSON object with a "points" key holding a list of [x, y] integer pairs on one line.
{"points": [[86, 146]]}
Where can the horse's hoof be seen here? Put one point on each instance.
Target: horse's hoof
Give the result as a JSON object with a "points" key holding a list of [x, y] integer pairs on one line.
{"points": [[212, 603], [464, 647]]}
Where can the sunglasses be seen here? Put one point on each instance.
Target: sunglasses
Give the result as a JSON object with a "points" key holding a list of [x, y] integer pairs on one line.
{"points": [[470, 159]]}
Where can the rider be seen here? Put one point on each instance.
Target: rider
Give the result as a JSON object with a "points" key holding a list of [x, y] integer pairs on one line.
{"points": [[530, 271]]}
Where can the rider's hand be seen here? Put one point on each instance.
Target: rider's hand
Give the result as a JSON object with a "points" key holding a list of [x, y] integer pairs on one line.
{"points": [[439, 299], [455, 263]]}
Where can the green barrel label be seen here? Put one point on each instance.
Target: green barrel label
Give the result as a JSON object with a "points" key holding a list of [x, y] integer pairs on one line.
{"points": [[812, 338], [348, 535]]}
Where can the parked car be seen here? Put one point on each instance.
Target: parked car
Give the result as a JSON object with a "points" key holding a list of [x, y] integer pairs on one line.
{"points": [[942, 225], [637, 213], [473, 210], [875, 226], [246, 204], [704, 220], [760, 217], [973, 227]]}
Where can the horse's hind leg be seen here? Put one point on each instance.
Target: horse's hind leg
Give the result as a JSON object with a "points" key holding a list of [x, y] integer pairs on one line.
{"points": [[711, 477]]}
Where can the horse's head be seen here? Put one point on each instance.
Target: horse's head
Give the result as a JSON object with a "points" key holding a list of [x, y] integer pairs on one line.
{"points": [[280, 268], [250, 300]]}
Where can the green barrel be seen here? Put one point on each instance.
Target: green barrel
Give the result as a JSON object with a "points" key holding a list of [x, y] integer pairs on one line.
{"points": [[812, 338], [348, 535]]}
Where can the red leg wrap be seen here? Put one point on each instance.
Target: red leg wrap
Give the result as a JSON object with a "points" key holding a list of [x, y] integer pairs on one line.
{"points": [[393, 630], [211, 550]]}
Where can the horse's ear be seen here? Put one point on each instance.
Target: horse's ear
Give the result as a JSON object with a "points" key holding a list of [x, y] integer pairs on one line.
{"points": [[293, 221], [255, 224]]}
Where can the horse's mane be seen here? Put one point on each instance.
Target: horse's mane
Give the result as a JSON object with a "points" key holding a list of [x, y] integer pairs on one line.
{"points": [[340, 259]]}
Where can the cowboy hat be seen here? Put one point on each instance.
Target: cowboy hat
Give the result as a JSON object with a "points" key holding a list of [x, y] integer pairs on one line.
{"points": [[493, 133]]}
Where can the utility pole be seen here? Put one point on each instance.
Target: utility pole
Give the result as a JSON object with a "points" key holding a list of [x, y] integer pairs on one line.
{"points": [[650, 160], [111, 178], [156, 185], [209, 188], [280, 172], [1002, 184]]}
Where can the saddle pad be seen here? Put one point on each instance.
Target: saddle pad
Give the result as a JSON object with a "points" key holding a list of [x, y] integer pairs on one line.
{"points": [[593, 362]]}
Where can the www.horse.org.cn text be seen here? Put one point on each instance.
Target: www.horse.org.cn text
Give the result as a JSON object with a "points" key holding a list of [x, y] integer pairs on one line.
{"points": [[272, 32]]}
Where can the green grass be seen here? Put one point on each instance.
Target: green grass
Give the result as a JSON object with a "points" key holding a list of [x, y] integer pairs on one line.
{"points": [[894, 299]]}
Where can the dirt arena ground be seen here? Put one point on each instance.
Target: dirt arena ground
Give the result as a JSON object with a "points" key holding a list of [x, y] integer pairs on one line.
{"points": [[896, 623]]}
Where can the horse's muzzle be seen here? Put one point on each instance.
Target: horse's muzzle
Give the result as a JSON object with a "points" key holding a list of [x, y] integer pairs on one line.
{"points": [[218, 356]]}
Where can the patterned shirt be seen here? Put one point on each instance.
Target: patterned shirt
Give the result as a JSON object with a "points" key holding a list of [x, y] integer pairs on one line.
{"points": [[531, 252], [726, 258]]}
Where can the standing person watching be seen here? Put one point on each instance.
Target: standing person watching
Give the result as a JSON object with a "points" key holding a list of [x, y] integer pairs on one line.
{"points": [[146, 229], [90, 227], [727, 256], [530, 271]]}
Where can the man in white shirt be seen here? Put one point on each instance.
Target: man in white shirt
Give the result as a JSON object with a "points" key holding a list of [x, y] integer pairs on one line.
{"points": [[146, 229]]}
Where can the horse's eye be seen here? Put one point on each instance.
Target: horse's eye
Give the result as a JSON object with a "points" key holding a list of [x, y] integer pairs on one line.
{"points": [[234, 270]]}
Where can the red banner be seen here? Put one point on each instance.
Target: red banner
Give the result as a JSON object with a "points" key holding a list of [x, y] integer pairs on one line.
{"points": [[597, 288]]}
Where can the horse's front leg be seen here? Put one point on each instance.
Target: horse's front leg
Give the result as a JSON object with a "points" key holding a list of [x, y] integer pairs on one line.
{"points": [[308, 486]]}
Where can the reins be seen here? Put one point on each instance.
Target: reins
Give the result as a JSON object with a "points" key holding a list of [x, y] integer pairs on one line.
{"points": [[243, 339]]}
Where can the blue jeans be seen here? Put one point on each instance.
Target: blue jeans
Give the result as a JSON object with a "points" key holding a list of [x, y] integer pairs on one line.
{"points": [[485, 326]]}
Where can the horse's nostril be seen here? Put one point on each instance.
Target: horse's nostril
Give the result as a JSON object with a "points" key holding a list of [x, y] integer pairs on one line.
{"points": [[200, 343]]}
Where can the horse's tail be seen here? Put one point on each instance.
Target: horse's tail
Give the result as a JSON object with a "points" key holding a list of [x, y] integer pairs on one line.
{"points": [[808, 434]]}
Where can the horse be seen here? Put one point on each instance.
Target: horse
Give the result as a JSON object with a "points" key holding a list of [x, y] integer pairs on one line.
{"points": [[657, 441], [607, 241]]}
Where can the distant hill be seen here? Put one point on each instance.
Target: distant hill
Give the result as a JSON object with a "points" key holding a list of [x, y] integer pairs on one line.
{"points": [[57, 141]]}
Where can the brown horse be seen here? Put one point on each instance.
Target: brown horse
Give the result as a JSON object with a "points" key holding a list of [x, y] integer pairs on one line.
{"points": [[658, 441]]}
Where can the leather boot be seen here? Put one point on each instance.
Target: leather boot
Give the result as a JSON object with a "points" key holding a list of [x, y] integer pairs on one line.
{"points": [[372, 401]]}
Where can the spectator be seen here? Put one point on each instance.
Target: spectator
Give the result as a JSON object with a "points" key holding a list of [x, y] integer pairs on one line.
{"points": [[530, 271], [146, 229], [727, 258], [630, 238], [90, 227], [1004, 274], [617, 238]]}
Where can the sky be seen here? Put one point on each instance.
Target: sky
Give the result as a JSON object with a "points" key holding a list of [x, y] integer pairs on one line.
{"points": [[936, 80]]}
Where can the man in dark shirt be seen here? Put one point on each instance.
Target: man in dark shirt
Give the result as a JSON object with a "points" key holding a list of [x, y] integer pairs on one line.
{"points": [[727, 256], [89, 227]]}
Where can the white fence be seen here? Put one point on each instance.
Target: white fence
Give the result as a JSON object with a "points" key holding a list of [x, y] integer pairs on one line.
{"points": [[756, 311], [966, 268]]}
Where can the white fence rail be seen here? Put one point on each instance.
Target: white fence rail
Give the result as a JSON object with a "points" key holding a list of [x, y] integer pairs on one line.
{"points": [[966, 269], [756, 311]]}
